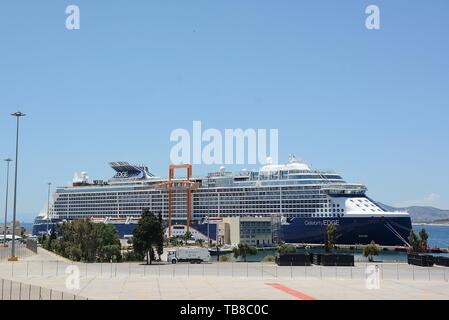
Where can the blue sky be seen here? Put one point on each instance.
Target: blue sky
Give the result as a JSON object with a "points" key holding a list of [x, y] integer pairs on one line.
{"points": [[372, 105]]}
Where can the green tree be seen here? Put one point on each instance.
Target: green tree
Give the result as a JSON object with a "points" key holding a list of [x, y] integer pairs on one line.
{"points": [[287, 248], [147, 235], [418, 243], [41, 239], [83, 240], [108, 242], [414, 242], [331, 235], [187, 236], [161, 241], [371, 250], [243, 250], [423, 235], [200, 242], [174, 241]]}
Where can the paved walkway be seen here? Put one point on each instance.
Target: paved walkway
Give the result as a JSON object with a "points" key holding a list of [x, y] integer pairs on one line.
{"points": [[225, 281], [242, 288], [45, 255]]}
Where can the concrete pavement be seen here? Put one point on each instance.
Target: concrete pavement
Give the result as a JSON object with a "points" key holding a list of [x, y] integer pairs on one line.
{"points": [[226, 281]]}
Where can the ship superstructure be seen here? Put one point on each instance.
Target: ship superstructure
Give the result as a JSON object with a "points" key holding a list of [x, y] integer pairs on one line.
{"points": [[305, 200]]}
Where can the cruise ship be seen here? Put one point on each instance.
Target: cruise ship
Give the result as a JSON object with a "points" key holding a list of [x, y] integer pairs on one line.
{"points": [[304, 200]]}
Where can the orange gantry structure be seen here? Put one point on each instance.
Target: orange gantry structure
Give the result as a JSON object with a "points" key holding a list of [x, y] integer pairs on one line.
{"points": [[179, 184]]}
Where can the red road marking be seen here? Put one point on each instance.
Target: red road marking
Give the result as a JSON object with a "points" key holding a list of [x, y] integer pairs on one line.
{"points": [[297, 294]]}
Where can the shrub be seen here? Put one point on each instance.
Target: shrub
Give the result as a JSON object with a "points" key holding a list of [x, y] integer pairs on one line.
{"points": [[268, 259], [287, 248]]}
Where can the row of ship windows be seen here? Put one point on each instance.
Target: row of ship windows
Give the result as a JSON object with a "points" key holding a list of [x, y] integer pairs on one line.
{"points": [[201, 209], [210, 206], [197, 198], [183, 197], [181, 213], [196, 201], [317, 215], [221, 191]]}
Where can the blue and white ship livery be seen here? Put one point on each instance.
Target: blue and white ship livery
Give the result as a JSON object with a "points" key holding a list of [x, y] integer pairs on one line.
{"points": [[304, 199]]}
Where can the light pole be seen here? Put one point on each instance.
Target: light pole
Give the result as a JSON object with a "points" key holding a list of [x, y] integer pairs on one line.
{"points": [[48, 204], [13, 257], [8, 161]]}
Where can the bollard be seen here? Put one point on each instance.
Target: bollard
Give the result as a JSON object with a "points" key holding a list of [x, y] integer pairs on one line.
{"points": [[40, 293], [20, 290]]}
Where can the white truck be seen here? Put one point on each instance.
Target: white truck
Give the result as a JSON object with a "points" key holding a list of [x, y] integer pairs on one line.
{"points": [[192, 255]]}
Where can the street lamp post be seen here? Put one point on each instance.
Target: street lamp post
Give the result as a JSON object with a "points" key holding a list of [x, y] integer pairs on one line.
{"points": [[48, 204], [8, 161], [13, 257]]}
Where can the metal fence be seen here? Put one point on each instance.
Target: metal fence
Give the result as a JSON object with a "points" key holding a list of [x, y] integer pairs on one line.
{"points": [[13, 290], [21, 251], [31, 245], [386, 271]]}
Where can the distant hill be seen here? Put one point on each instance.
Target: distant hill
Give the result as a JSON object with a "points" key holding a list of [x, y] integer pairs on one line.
{"points": [[422, 213]]}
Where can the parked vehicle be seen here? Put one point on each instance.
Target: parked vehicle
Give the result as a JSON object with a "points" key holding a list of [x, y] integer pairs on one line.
{"points": [[192, 255]]}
